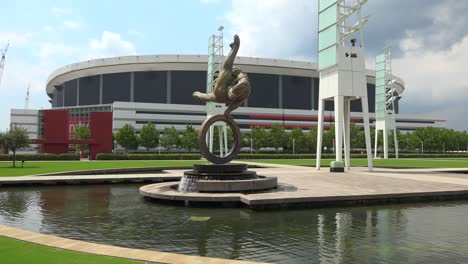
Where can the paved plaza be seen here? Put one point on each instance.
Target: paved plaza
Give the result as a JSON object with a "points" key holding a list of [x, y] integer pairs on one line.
{"points": [[306, 186]]}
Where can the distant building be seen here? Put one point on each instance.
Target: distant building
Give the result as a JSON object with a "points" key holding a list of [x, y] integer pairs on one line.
{"points": [[158, 89]]}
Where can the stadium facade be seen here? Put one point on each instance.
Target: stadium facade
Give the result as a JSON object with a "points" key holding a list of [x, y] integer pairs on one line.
{"points": [[158, 89]]}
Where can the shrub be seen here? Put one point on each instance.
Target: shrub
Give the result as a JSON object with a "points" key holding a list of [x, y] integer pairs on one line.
{"points": [[180, 156], [45, 157]]}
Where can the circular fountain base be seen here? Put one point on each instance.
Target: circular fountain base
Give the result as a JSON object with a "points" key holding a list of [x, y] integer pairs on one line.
{"points": [[223, 178]]}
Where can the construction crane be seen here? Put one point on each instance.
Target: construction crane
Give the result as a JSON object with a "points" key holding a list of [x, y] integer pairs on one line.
{"points": [[26, 101], [2, 61]]}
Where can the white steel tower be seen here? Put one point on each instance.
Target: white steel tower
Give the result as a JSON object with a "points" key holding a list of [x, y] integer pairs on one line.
{"points": [[341, 64], [215, 64], [2, 61], [26, 100], [385, 97]]}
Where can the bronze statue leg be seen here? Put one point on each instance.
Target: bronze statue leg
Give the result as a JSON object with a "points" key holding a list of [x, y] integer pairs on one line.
{"points": [[233, 106], [210, 97]]}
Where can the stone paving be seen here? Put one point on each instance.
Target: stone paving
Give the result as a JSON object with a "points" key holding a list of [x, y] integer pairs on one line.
{"points": [[306, 185]]}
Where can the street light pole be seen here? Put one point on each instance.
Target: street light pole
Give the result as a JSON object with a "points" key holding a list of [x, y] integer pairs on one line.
{"points": [[294, 146], [422, 147], [251, 146]]}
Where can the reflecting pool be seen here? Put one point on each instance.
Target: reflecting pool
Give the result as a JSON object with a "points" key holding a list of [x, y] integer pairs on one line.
{"points": [[118, 215]]}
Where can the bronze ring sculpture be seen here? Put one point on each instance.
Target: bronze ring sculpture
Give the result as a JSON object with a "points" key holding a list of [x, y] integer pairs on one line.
{"points": [[205, 151], [232, 87]]}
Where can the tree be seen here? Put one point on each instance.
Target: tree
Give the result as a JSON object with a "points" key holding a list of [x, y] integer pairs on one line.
{"points": [[3, 143], [259, 138], [170, 138], [356, 137], [245, 140], [127, 138], [311, 140], [189, 138], [149, 136], [15, 139], [83, 133], [277, 137], [328, 138], [299, 139]]}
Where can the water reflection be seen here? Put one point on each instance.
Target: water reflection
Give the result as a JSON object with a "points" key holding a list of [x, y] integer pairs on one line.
{"points": [[116, 214]]}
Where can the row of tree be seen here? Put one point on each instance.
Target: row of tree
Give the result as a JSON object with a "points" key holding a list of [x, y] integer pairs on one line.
{"points": [[150, 138], [297, 140], [14, 139]]}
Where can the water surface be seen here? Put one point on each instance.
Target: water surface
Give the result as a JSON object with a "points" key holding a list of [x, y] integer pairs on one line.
{"points": [[118, 215]]}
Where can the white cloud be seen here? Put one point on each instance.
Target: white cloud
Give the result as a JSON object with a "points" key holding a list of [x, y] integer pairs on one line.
{"points": [[209, 1], [72, 24], [15, 39], [52, 51], [411, 42], [274, 28], [60, 11], [110, 44], [436, 79]]}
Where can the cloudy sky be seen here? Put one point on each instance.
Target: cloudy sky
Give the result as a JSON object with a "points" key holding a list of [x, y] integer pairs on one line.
{"points": [[429, 39]]}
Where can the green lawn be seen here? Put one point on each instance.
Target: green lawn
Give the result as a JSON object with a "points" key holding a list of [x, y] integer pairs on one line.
{"points": [[422, 163], [40, 167], [14, 251]]}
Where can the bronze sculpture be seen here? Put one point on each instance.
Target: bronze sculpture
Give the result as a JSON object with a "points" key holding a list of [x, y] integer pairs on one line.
{"points": [[232, 85]]}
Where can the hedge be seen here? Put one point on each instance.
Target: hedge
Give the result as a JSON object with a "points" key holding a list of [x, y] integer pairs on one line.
{"points": [[185, 156], [181, 156], [427, 156], [192, 156], [32, 157]]}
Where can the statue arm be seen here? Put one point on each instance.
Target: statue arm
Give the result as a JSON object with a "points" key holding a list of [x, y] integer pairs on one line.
{"points": [[229, 61]]}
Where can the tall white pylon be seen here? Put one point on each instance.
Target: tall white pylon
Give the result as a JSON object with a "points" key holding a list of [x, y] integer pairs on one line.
{"points": [[341, 64], [2, 61], [26, 100], [385, 97], [215, 64]]}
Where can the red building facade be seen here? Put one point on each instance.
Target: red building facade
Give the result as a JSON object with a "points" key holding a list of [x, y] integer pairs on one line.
{"points": [[56, 130]]}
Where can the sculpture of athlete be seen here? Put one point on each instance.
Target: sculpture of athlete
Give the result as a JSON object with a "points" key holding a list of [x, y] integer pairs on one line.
{"points": [[232, 85]]}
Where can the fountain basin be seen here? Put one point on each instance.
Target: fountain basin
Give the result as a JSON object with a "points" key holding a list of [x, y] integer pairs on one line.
{"points": [[223, 178], [259, 183]]}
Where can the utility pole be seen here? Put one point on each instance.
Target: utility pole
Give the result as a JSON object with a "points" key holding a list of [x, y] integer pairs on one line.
{"points": [[2, 61]]}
